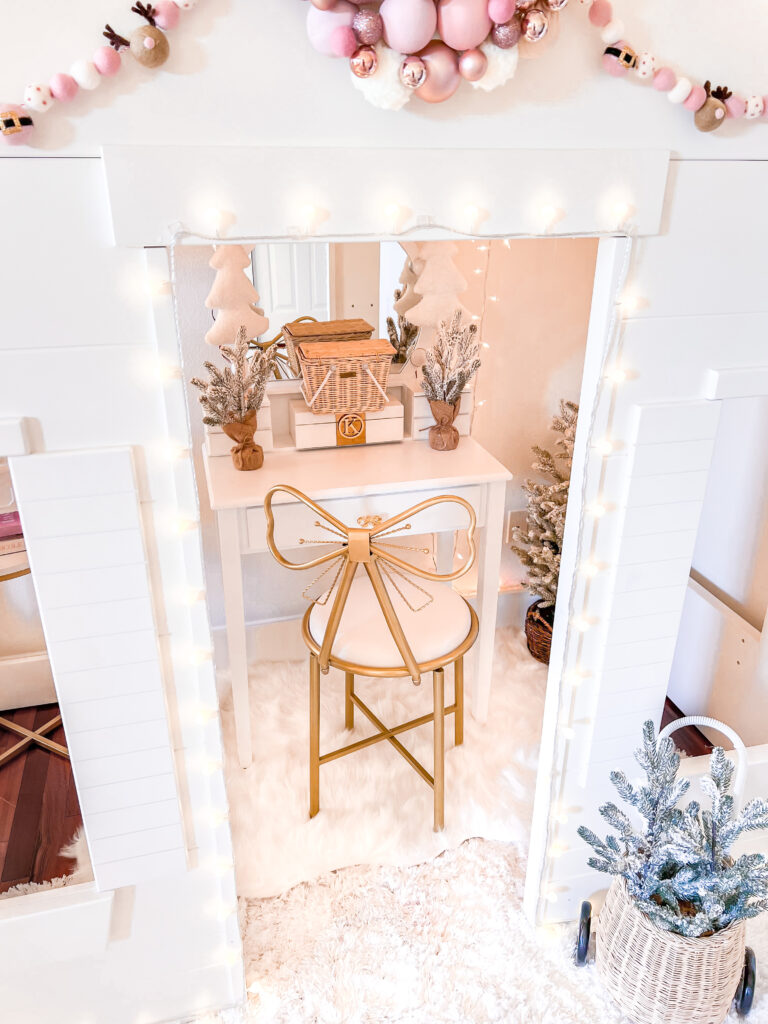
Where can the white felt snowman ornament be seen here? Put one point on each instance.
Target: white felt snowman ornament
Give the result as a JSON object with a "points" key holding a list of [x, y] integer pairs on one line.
{"points": [[646, 65]]}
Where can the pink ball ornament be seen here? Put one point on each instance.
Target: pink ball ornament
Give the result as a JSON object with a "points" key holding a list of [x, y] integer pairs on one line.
{"points": [[463, 24], [408, 24], [507, 35], [343, 41], [443, 76], [323, 5], [368, 27], [321, 25], [696, 98], [166, 15], [63, 87], [500, 11], [664, 80], [600, 13], [108, 61], [16, 124], [472, 65]]}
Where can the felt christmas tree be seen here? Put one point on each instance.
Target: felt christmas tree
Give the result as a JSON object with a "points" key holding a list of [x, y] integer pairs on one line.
{"points": [[679, 867], [439, 284], [539, 543], [405, 297], [234, 297]]}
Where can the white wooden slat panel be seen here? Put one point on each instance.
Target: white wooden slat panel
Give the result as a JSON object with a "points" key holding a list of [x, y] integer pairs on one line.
{"points": [[615, 702], [651, 459], [101, 619], [99, 771], [676, 421], [72, 516], [668, 573], [662, 546], [106, 823], [116, 711], [103, 647], [95, 551], [128, 794], [641, 652], [650, 627], [98, 684], [636, 677], [79, 587], [104, 651], [657, 519], [131, 738], [75, 476], [666, 488], [751, 381], [13, 437], [644, 602]]}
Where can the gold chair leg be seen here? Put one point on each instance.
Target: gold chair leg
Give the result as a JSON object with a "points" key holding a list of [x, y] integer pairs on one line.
{"points": [[314, 735], [438, 686], [349, 707], [458, 718]]}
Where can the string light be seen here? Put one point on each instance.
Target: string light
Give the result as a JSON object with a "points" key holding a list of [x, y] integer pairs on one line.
{"points": [[308, 218], [590, 569], [394, 214], [493, 298], [169, 450], [605, 446], [192, 595], [575, 677], [581, 623], [597, 509], [181, 524], [616, 375], [472, 215], [558, 848]]}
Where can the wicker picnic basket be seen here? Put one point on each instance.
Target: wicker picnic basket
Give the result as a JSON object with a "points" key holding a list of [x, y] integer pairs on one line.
{"points": [[307, 329], [660, 977], [345, 376]]}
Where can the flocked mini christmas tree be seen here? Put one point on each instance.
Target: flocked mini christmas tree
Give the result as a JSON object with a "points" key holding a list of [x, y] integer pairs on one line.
{"points": [[678, 867], [439, 285], [539, 543], [234, 297]]}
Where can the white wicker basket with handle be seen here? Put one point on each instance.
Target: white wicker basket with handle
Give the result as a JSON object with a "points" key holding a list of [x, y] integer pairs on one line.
{"points": [[660, 977]]}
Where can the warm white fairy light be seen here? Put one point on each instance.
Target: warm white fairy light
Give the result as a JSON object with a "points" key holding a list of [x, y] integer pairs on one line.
{"points": [[482, 248], [629, 304], [192, 595], [589, 569], [180, 524], [198, 655], [548, 215], [550, 894], [582, 623], [493, 298], [160, 371], [508, 243], [605, 446], [622, 211], [575, 677], [308, 218], [558, 848], [478, 270], [597, 509], [393, 216], [486, 345], [472, 216], [567, 731], [616, 375], [214, 219], [170, 450], [475, 317]]}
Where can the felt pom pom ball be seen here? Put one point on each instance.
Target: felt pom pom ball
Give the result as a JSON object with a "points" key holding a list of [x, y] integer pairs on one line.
{"points": [[107, 61], [186, 5], [343, 41], [149, 46], [166, 15], [16, 125], [63, 87], [38, 97], [500, 11], [86, 74], [321, 25]]}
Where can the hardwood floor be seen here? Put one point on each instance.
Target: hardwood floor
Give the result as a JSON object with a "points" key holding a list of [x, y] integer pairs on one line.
{"points": [[39, 811]]}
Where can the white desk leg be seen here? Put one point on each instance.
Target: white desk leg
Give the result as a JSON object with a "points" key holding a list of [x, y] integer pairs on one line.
{"points": [[489, 566], [234, 610]]}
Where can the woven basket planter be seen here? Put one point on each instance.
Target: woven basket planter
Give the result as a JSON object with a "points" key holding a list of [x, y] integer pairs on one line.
{"points": [[538, 631], [345, 376], [659, 977]]}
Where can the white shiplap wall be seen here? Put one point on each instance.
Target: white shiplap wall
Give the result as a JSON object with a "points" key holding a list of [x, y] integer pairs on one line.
{"points": [[81, 519]]}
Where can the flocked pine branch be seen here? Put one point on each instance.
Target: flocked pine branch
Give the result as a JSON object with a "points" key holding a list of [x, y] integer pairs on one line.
{"points": [[539, 543], [237, 389], [403, 334], [678, 867], [452, 362]]}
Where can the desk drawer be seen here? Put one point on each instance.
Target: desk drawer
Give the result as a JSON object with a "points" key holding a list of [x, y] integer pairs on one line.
{"points": [[292, 520]]}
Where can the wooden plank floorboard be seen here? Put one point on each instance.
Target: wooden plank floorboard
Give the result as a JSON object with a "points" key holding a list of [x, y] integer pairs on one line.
{"points": [[39, 810]]}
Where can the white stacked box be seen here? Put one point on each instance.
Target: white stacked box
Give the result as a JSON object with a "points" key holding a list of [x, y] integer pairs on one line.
{"points": [[217, 443], [419, 415], [311, 431]]}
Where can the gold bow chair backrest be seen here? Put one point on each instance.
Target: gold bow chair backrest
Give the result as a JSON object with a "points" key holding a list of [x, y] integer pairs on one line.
{"points": [[367, 546]]}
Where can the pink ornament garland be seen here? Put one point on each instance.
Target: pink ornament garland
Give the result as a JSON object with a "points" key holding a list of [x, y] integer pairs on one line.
{"points": [[147, 44], [400, 48], [710, 107]]}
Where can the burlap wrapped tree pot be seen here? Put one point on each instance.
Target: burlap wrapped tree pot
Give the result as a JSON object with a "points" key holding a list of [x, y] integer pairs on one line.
{"points": [[660, 977], [538, 630], [443, 436], [246, 454]]}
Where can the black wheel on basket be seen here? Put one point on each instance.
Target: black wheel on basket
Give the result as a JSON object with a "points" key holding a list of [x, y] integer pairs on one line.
{"points": [[745, 993], [585, 928]]}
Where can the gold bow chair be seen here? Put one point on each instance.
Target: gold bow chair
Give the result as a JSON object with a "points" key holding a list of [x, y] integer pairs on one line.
{"points": [[371, 627]]}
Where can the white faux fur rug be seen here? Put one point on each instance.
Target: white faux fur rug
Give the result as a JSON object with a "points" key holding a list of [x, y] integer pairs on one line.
{"points": [[374, 808], [444, 941]]}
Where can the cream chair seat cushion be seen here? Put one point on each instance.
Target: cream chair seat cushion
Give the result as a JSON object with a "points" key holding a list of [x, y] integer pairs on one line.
{"points": [[364, 637]]}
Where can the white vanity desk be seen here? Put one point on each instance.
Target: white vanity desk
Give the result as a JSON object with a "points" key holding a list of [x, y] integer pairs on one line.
{"points": [[350, 482]]}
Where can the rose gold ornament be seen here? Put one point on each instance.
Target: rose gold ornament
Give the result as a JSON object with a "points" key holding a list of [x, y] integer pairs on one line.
{"points": [[323, 5], [524, 5], [535, 25], [443, 76], [368, 27], [363, 62], [472, 65], [413, 72], [507, 35], [555, 5]]}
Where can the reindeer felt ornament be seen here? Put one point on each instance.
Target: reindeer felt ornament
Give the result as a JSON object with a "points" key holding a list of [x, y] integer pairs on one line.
{"points": [[148, 44], [713, 113]]}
